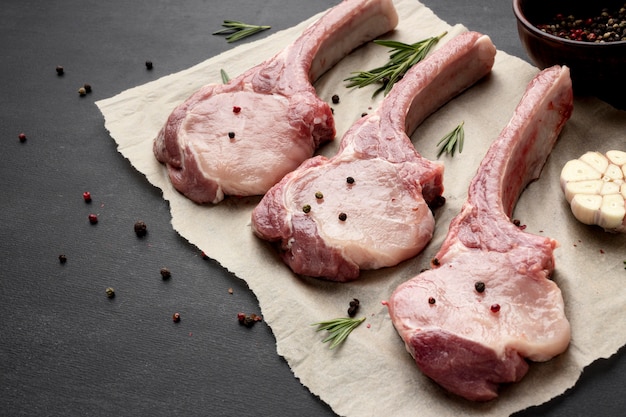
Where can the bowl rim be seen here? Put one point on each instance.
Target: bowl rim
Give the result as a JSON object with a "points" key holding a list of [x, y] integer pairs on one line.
{"points": [[534, 29]]}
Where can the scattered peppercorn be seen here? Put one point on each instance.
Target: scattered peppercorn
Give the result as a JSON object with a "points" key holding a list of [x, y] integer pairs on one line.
{"points": [[431, 300], [87, 197], [176, 317], [22, 137], [306, 208], [230, 291], [231, 135], [319, 195], [60, 70], [141, 229], [350, 180], [248, 320], [363, 114], [110, 292], [516, 222], [93, 219], [62, 259], [87, 88], [479, 286], [437, 202], [495, 308], [149, 65], [165, 274], [236, 109], [203, 255], [354, 307], [435, 262], [335, 99], [82, 92], [343, 217]]}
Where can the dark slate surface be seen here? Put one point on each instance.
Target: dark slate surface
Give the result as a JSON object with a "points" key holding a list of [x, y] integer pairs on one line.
{"points": [[65, 348]]}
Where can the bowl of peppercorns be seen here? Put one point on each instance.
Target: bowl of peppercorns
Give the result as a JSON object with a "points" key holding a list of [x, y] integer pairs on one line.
{"points": [[588, 37]]}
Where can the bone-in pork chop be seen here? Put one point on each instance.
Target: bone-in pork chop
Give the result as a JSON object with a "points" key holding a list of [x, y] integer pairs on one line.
{"points": [[242, 137], [367, 207], [488, 304]]}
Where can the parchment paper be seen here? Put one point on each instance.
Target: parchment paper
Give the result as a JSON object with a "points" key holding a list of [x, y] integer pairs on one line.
{"points": [[372, 374]]}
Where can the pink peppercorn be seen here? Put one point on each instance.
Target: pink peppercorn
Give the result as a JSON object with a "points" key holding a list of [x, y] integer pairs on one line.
{"points": [[93, 219], [87, 197], [495, 308]]}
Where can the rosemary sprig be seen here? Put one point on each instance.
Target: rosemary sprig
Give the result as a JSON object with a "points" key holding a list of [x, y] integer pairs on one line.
{"points": [[238, 30], [338, 329], [449, 142], [402, 57], [225, 77]]}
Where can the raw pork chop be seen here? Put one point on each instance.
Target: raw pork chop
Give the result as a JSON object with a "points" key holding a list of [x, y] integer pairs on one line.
{"points": [[243, 137], [488, 303], [369, 203]]}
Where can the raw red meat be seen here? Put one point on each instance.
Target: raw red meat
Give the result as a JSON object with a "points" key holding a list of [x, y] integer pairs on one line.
{"points": [[242, 137], [467, 338], [387, 218]]}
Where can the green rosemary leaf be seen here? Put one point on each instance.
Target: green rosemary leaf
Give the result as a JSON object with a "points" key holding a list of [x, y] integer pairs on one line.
{"points": [[225, 77], [238, 30], [401, 58], [452, 140], [338, 329]]}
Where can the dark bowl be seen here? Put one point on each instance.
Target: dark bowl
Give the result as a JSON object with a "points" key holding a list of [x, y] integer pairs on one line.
{"points": [[597, 69]]}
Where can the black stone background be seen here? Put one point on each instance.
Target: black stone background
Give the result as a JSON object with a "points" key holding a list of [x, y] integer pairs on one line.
{"points": [[65, 348]]}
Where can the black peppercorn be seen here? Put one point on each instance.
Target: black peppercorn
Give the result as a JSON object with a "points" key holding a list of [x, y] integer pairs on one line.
{"points": [[165, 274], [87, 88], [319, 195], [62, 259], [354, 307], [479, 286], [306, 208], [141, 229], [110, 292], [350, 180], [231, 135], [343, 217], [335, 99], [60, 70], [149, 65], [431, 300], [176, 317]]}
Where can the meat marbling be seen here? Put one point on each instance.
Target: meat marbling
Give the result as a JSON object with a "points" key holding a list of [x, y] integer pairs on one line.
{"points": [[272, 109], [467, 340], [386, 206]]}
